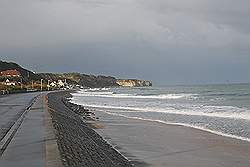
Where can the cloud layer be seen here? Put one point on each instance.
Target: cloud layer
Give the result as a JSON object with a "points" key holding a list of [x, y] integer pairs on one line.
{"points": [[171, 41]]}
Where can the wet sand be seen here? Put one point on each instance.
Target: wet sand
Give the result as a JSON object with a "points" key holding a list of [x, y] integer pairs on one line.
{"points": [[159, 145]]}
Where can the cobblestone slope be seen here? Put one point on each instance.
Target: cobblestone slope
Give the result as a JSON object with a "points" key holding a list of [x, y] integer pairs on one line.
{"points": [[80, 145]]}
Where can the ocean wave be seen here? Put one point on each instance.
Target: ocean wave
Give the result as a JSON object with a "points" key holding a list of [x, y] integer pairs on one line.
{"points": [[228, 94], [185, 125], [94, 93], [208, 111], [114, 95], [94, 89]]}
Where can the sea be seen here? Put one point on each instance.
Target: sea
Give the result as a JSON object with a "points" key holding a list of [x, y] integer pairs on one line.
{"points": [[221, 109]]}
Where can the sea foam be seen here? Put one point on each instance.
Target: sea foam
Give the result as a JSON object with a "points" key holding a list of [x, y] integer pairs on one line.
{"points": [[108, 94], [212, 108], [208, 111]]}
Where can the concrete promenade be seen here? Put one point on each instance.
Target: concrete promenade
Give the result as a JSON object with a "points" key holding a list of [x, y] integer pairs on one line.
{"points": [[50, 132], [33, 143]]}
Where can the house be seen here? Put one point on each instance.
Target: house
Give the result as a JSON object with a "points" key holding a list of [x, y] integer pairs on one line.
{"points": [[9, 83], [60, 83], [53, 84], [10, 73]]}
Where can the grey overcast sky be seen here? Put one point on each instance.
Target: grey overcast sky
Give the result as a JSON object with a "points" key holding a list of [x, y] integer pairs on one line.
{"points": [[167, 41]]}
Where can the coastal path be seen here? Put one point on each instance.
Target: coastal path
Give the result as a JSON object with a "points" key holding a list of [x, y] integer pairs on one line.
{"points": [[26, 132]]}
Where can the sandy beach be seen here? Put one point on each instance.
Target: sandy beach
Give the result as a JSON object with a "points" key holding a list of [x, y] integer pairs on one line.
{"points": [[159, 145]]}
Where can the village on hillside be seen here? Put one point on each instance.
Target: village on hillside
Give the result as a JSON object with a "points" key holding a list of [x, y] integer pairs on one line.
{"points": [[16, 79], [12, 81]]}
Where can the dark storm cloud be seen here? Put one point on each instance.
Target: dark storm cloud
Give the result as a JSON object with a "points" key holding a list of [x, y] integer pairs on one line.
{"points": [[169, 41]]}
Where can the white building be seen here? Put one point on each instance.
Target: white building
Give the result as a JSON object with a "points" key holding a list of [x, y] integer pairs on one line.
{"points": [[9, 83], [53, 84], [60, 83]]}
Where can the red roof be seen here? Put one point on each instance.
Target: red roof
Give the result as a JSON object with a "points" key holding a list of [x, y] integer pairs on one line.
{"points": [[11, 73]]}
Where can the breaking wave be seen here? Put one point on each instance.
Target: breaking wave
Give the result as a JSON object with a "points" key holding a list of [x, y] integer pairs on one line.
{"points": [[209, 111], [216, 109], [115, 95]]}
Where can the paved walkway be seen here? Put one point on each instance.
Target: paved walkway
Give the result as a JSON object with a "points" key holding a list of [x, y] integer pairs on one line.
{"points": [[11, 107], [33, 141]]}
